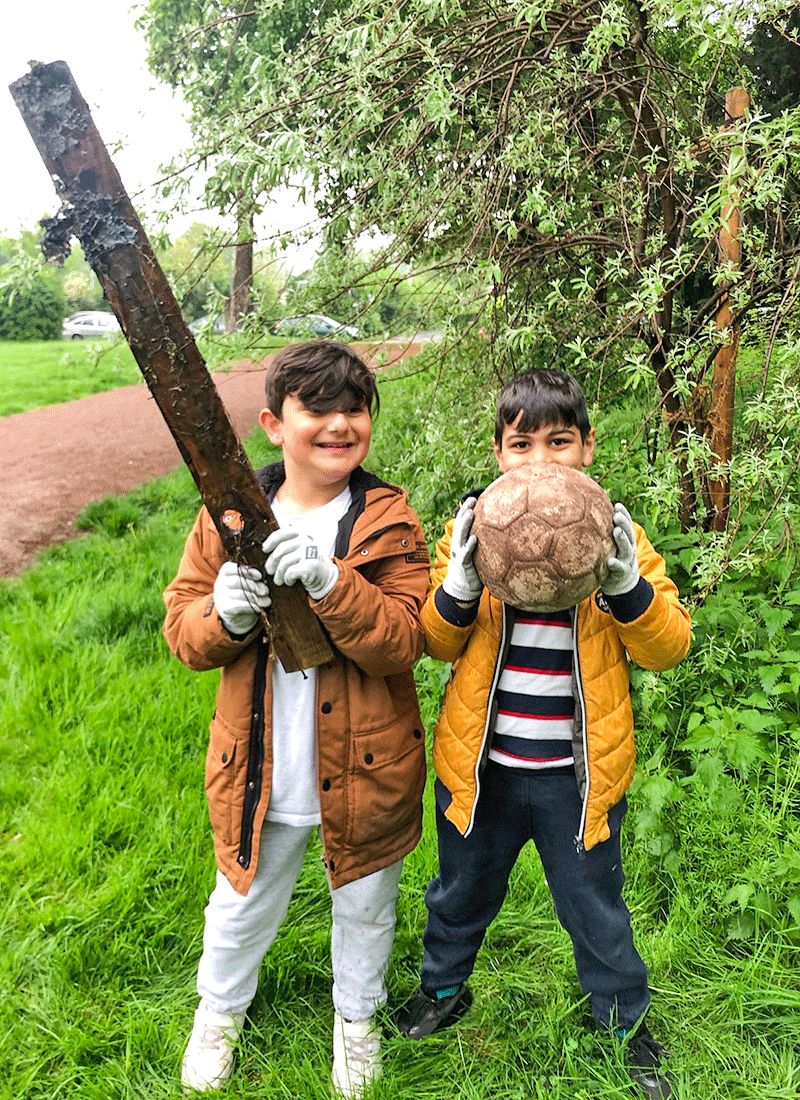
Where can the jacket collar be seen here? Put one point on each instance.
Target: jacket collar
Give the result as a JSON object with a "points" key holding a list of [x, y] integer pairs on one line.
{"points": [[273, 476], [361, 481]]}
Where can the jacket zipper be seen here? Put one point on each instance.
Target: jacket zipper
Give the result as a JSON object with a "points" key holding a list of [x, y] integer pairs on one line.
{"points": [[584, 737], [255, 757], [498, 668]]}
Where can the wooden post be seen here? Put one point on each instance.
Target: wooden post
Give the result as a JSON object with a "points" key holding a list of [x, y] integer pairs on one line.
{"points": [[96, 209], [720, 417]]}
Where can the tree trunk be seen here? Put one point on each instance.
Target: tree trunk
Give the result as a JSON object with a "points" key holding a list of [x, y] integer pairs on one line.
{"points": [[98, 211], [720, 416], [240, 302]]}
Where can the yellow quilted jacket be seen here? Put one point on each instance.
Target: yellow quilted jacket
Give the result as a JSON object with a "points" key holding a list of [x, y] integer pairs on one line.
{"points": [[603, 744]]}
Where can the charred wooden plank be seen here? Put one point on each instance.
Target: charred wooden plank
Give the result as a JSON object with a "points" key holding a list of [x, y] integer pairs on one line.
{"points": [[97, 210]]}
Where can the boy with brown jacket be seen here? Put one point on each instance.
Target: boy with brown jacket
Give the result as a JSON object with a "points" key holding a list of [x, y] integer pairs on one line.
{"points": [[535, 742], [339, 749]]}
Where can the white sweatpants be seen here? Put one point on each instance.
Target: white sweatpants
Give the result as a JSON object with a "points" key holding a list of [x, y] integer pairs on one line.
{"points": [[239, 930]]}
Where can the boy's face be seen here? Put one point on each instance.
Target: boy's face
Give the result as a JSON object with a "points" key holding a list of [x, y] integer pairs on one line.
{"points": [[322, 449], [549, 443]]}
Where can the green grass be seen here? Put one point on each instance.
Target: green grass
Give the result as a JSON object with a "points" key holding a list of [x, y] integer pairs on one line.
{"points": [[105, 866], [49, 372]]}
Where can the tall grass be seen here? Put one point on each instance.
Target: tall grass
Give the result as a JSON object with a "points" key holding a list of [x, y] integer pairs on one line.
{"points": [[105, 853]]}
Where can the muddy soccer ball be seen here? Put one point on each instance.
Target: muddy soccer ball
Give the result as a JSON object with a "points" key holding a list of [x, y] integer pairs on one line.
{"points": [[544, 535]]}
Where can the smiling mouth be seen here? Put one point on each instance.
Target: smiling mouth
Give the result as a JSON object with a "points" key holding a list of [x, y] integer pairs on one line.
{"points": [[336, 446]]}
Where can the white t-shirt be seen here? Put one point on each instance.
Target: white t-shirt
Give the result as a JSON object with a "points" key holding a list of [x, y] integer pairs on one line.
{"points": [[294, 799]]}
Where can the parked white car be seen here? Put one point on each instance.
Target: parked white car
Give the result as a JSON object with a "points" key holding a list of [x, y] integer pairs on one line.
{"points": [[208, 325], [89, 322]]}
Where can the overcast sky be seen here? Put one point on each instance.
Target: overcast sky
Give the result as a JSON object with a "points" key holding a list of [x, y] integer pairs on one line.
{"points": [[106, 55]]}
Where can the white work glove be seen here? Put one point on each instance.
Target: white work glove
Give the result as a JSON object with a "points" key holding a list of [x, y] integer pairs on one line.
{"points": [[623, 567], [462, 581], [292, 556], [240, 593]]}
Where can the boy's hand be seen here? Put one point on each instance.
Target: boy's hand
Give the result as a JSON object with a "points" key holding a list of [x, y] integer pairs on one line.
{"points": [[462, 581], [240, 592], [292, 557], [623, 567]]}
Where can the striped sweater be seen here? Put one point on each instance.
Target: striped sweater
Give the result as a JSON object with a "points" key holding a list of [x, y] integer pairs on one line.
{"points": [[535, 705]]}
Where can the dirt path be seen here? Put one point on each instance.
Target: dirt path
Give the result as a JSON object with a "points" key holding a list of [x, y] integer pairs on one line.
{"points": [[56, 460]]}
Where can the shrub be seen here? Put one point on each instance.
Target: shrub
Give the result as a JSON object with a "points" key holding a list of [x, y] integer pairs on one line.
{"points": [[32, 313]]}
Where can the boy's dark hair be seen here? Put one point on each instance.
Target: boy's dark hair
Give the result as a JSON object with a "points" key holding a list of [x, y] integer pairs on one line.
{"points": [[545, 397], [324, 375]]}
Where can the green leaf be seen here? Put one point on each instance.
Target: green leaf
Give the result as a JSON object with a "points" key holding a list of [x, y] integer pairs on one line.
{"points": [[693, 722], [739, 895], [709, 772], [741, 927], [658, 791], [704, 737], [775, 619], [743, 750], [769, 676]]}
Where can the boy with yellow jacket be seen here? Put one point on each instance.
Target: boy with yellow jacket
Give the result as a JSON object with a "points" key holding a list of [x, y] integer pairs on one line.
{"points": [[535, 742]]}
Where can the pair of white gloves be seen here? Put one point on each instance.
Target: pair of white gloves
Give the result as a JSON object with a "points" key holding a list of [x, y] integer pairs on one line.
{"points": [[241, 593], [464, 585]]}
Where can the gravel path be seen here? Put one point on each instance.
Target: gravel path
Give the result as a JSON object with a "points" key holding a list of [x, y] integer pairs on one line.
{"points": [[58, 459]]}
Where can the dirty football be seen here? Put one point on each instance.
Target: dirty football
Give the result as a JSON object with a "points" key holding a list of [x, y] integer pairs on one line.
{"points": [[544, 536]]}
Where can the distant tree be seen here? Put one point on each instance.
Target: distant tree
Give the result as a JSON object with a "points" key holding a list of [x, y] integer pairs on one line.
{"points": [[198, 265], [79, 284], [269, 283], [22, 263], [772, 55], [358, 290], [216, 52], [80, 291]]}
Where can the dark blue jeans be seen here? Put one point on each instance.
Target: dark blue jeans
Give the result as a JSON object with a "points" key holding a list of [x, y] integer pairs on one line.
{"points": [[586, 887]]}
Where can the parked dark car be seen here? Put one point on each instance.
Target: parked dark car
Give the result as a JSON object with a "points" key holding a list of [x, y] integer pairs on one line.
{"points": [[314, 324]]}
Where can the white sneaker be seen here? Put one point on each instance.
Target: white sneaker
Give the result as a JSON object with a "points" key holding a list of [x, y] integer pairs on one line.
{"points": [[208, 1059], [356, 1055]]}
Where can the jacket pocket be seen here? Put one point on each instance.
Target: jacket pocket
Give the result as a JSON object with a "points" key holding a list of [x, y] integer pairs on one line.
{"points": [[220, 782], [387, 779]]}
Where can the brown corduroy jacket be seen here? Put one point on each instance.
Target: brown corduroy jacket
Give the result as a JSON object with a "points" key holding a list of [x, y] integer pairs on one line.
{"points": [[370, 739]]}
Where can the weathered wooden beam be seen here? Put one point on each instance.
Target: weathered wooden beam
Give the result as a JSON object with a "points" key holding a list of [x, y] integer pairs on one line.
{"points": [[97, 210]]}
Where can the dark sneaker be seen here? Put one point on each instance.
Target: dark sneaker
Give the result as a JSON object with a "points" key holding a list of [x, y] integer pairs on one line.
{"points": [[644, 1058], [423, 1014]]}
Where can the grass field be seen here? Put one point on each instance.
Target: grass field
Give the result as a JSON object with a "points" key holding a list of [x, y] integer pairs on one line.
{"points": [[49, 372], [105, 866]]}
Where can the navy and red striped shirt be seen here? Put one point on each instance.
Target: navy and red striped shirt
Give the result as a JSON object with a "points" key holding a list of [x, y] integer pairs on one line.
{"points": [[535, 704]]}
